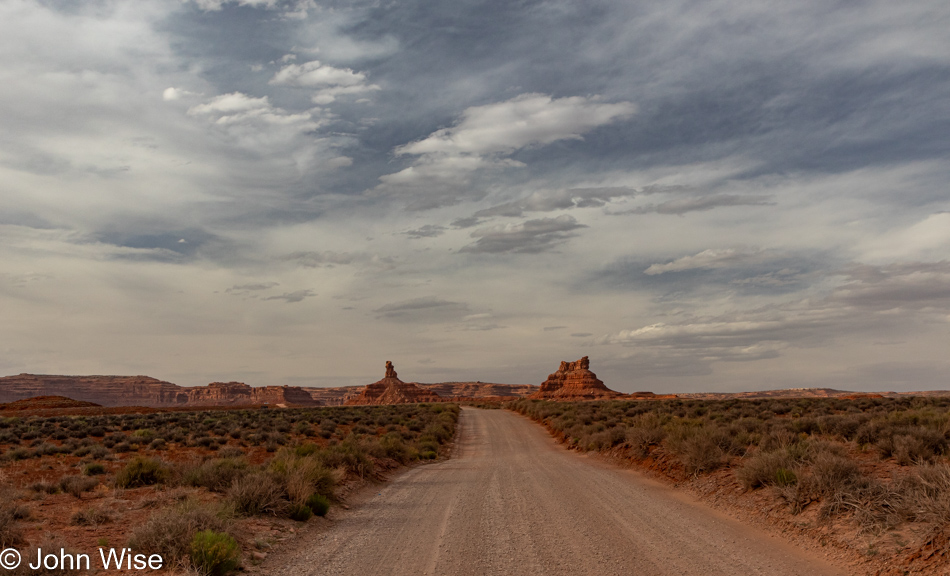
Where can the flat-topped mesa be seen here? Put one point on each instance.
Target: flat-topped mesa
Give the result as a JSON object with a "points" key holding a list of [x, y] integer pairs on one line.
{"points": [[392, 390], [145, 391], [575, 381]]}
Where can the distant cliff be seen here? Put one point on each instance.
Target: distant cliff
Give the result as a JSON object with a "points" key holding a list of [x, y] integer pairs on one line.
{"points": [[146, 391], [447, 390]]}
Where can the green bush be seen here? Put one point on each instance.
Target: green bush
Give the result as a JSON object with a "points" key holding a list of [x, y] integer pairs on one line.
{"points": [[94, 469], [214, 553], [142, 472], [319, 504], [300, 512]]}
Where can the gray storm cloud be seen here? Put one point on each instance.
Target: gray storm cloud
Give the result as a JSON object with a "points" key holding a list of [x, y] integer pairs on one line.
{"points": [[266, 186]]}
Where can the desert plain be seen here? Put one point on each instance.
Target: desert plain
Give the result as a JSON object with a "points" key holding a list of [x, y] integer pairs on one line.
{"points": [[567, 477]]}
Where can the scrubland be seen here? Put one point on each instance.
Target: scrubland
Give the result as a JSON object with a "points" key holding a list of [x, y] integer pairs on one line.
{"points": [[870, 474], [206, 490]]}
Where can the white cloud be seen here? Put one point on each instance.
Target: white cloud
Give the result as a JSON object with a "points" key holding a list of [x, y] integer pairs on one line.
{"points": [[485, 135], [216, 5], [230, 104], [528, 119], [328, 95], [314, 73], [926, 239], [529, 237], [707, 259], [332, 82]]}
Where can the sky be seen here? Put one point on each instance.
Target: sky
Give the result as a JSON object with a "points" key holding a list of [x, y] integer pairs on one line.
{"points": [[715, 195]]}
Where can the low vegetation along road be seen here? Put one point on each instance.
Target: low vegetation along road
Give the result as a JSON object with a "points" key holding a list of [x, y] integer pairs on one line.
{"points": [[512, 501]]}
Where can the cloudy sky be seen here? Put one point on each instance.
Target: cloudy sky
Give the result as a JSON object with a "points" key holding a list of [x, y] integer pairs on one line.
{"points": [[699, 195]]}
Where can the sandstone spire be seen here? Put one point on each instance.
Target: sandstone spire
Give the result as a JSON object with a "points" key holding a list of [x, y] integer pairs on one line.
{"points": [[392, 390]]}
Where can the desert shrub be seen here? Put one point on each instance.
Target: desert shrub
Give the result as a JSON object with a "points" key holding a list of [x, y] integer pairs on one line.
{"points": [[306, 449], [319, 504], [348, 454], [766, 469], [833, 473], [18, 453], [699, 448], [76, 485], [169, 532], [45, 449], [438, 431], [300, 512], [216, 475], [230, 452], [122, 447], [257, 493], [645, 433], [214, 553], [44, 486], [142, 472], [90, 517], [97, 452], [919, 446], [157, 444], [925, 495], [392, 446], [10, 533], [300, 477]]}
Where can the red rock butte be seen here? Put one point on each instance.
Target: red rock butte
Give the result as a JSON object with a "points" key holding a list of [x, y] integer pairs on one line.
{"points": [[392, 390], [575, 381]]}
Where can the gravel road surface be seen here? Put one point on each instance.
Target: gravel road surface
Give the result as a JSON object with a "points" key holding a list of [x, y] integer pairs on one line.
{"points": [[512, 501]]}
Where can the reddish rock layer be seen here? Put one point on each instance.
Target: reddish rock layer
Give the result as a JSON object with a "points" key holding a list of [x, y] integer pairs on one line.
{"points": [[446, 390], [47, 403], [477, 390], [146, 391], [575, 381], [392, 390]]}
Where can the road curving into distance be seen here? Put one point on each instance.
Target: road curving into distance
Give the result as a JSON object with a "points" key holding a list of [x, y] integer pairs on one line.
{"points": [[513, 501]]}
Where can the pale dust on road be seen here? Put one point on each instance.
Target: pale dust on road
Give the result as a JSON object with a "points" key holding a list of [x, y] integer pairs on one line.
{"points": [[513, 501]]}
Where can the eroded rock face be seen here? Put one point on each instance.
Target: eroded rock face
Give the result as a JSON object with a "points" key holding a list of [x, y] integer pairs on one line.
{"points": [[146, 391], [337, 396], [575, 381], [392, 390]]}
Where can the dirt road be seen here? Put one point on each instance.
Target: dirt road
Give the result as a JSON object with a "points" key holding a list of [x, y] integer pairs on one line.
{"points": [[512, 501]]}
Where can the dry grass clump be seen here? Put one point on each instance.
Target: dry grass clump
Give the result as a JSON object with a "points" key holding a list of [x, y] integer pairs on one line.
{"points": [[216, 474], [93, 516], [76, 485], [10, 513], [256, 494], [169, 532]]}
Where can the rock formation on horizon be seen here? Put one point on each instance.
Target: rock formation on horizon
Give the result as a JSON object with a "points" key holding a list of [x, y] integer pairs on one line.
{"points": [[150, 392], [392, 390], [575, 381]]}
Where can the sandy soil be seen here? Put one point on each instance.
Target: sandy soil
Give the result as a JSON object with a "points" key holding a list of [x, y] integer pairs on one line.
{"points": [[511, 501]]}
